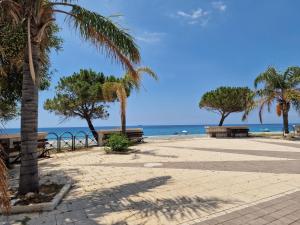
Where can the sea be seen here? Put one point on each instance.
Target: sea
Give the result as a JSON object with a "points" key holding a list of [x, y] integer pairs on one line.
{"points": [[157, 130]]}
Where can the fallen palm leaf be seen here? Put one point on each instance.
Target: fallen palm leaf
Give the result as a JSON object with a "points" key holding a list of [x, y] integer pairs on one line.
{"points": [[4, 193]]}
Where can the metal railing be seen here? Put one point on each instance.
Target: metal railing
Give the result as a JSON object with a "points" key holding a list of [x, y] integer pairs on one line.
{"points": [[70, 141]]}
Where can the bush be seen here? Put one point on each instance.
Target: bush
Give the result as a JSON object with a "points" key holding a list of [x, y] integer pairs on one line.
{"points": [[118, 143]]}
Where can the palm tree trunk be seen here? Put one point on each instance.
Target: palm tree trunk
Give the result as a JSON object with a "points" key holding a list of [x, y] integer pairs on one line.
{"points": [[123, 122], [92, 128], [29, 180], [285, 116]]}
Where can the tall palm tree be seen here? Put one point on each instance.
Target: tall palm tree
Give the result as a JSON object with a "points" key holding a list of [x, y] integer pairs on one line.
{"points": [[282, 88], [121, 90], [36, 17]]}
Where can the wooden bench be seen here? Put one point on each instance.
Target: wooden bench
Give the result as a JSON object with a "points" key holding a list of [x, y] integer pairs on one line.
{"points": [[228, 131], [133, 134], [11, 147]]}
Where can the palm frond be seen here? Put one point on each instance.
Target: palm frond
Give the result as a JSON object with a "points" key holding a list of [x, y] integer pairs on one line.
{"points": [[296, 105], [292, 94], [112, 89], [267, 101], [136, 81], [109, 91], [266, 77], [292, 75], [251, 104], [31, 66], [10, 11], [271, 79], [105, 35], [148, 71], [294, 98], [4, 193]]}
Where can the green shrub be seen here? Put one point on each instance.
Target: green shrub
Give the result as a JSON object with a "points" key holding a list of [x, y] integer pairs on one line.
{"points": [[118, 143]]}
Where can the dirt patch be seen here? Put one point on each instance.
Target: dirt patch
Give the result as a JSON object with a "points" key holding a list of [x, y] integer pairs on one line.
{"points": [[46, 194]]}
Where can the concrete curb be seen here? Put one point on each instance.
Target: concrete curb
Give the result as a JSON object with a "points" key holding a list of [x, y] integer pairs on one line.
{"points": [[131, 151], [48, 206]]}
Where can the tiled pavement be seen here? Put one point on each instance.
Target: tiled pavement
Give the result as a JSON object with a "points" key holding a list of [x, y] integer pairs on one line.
{"points": [[280, 211], [194, 181]]}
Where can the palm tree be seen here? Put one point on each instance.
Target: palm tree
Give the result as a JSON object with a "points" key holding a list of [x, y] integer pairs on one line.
{"points": [[121, 90], [282, 88], [36, 17], [4, 193], [113, 89]]}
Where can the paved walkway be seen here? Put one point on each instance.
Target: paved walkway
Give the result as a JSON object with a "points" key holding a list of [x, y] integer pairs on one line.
{"points": [[280, 211], [189, 181]]}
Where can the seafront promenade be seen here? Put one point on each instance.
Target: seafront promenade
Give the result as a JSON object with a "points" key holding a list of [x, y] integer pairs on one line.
{"points": [[178, 181]]}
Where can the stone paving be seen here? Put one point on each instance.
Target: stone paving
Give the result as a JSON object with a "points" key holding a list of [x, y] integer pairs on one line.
{"points": [[186, 181], [280, 211]]}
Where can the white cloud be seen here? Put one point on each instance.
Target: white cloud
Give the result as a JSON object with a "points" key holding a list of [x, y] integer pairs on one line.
{"points": [[194, 17], [150, 37], [219, 5]]}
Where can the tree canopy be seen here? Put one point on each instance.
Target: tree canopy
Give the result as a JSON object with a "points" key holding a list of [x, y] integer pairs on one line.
{"points": [[12, 45], [227, 100], [10, 93], [81, 95]]}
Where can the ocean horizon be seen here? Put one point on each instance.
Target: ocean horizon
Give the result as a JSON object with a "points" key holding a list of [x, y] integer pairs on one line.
{"points": [[157, 130]]}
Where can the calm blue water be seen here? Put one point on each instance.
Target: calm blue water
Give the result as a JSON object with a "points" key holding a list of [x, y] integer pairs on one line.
{"points": [[158, 130]]}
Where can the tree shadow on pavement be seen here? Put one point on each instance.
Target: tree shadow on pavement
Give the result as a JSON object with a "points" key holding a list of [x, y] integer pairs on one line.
{"points": [[152, 153], [126, 198]]}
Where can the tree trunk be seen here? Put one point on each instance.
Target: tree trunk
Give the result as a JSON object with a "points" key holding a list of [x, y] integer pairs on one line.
{"points": [[223, 117], [123, 122], [92, 129], [29, 178], [285, 116]]}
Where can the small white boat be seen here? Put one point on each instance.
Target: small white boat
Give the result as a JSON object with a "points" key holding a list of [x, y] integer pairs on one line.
{"points": [[266, 130], [184, 132]]}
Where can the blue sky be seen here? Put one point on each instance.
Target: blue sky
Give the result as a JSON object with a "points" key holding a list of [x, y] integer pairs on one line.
{"points": [[194, 46]]}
